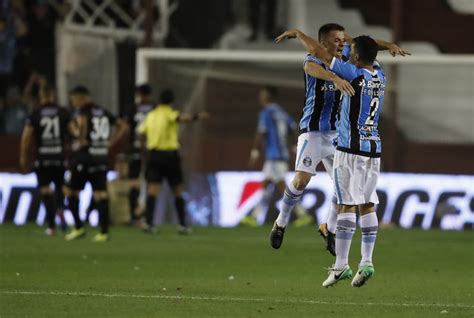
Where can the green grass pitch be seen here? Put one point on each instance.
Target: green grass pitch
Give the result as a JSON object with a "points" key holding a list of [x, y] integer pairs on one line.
{"points": [[230, 273]]}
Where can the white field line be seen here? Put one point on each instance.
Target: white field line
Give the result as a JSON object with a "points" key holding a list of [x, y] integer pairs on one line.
{"points": [[231, 299]]}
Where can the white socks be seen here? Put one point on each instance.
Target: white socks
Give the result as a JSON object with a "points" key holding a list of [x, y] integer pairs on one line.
{"points": [[290, 198], [369, 226], [346, 226]]}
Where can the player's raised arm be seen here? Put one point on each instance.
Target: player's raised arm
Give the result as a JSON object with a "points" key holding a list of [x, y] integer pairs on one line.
{"points": [[188, 117], [318, 71], [383, 45], [310, 44]]}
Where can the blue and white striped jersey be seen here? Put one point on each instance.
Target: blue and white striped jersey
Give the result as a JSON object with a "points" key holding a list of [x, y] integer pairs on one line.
{"points": [[275, 123], [322, 99], [359, 114]]}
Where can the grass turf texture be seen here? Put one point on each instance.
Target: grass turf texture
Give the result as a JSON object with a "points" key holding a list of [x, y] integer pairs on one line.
{"points": [[418, 274]]}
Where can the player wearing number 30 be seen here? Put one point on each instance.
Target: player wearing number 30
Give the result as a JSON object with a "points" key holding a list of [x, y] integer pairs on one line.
{"points": [[92, 129]]}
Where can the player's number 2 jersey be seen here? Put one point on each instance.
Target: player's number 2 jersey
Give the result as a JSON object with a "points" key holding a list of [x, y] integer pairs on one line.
{"points": [[359, 118]]}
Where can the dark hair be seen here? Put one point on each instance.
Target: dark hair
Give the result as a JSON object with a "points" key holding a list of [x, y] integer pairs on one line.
{"points": [[167, 96], [367, 49], [144, 90], [328, 27], [272, 91], [79, 90]]}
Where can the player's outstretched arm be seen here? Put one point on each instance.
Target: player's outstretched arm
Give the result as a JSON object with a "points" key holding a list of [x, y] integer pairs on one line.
{"points": [[310, 44], [383, 46], [188, 117], [25, 145], [318, 71]]}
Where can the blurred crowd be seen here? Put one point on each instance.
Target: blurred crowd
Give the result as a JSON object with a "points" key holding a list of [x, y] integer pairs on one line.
{"points": [[28, 53], [27, 56]]}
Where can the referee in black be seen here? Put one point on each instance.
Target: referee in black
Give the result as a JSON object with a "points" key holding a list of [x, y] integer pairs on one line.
{"points": [[159, 135]]}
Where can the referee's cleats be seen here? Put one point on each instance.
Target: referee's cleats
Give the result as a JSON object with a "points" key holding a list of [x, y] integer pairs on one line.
{"points": [[75, 234], [329, 238], [276, 236]]}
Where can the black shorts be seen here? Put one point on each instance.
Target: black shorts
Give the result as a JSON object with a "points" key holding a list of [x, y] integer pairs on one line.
{"points": [[80, 174], [134, 168], [164, 165], [50, 173]]}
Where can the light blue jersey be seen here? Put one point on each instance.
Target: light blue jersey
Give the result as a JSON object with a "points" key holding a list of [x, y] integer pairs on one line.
{"points": [[359, 115], [322, 99], [275, 123]]}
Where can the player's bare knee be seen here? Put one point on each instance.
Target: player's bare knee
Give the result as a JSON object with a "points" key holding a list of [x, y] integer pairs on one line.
{"points": [[46, 190], [153, 189], [301, 180], [100, 195], [343, 208], [366, 208]]}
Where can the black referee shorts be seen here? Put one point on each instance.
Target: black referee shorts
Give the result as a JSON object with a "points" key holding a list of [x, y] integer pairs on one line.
{"points": [[80, 174], [163, 165]]}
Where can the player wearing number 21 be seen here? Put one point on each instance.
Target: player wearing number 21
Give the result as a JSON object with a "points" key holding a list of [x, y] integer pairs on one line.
{"points": [[45, 130], [92, 130]]}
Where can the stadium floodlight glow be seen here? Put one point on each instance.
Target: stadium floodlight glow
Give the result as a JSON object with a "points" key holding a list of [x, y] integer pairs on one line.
{"points": [[144, 55]]}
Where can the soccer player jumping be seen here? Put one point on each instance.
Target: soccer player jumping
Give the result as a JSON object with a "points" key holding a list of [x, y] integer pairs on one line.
{"points": [[319, 121], [357, 156]]}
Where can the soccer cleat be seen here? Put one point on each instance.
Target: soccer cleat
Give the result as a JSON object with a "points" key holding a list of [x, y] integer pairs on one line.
{"points": [[336, 275], [363, 275], [329, 238], [149, 229], [249, 221], [75, 234], [303, 220], [50, 232], [185, 230], [276, 236], [100, 238]]}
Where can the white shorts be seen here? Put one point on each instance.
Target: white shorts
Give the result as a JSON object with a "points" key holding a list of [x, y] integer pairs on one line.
{"points": [[275, 170], [355, 178], [314, 147]]}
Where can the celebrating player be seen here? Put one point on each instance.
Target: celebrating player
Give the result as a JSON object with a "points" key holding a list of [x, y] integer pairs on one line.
{"points": [[274, 126], [357, 156], [159, 132], [93, 138], [47, 127], [319, 121], [143, 104], [317, 127]]}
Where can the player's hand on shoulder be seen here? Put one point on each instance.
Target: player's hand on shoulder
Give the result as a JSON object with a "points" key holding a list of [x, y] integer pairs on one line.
{"points": [[290, 34], [344, 86], [396, 50]]}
